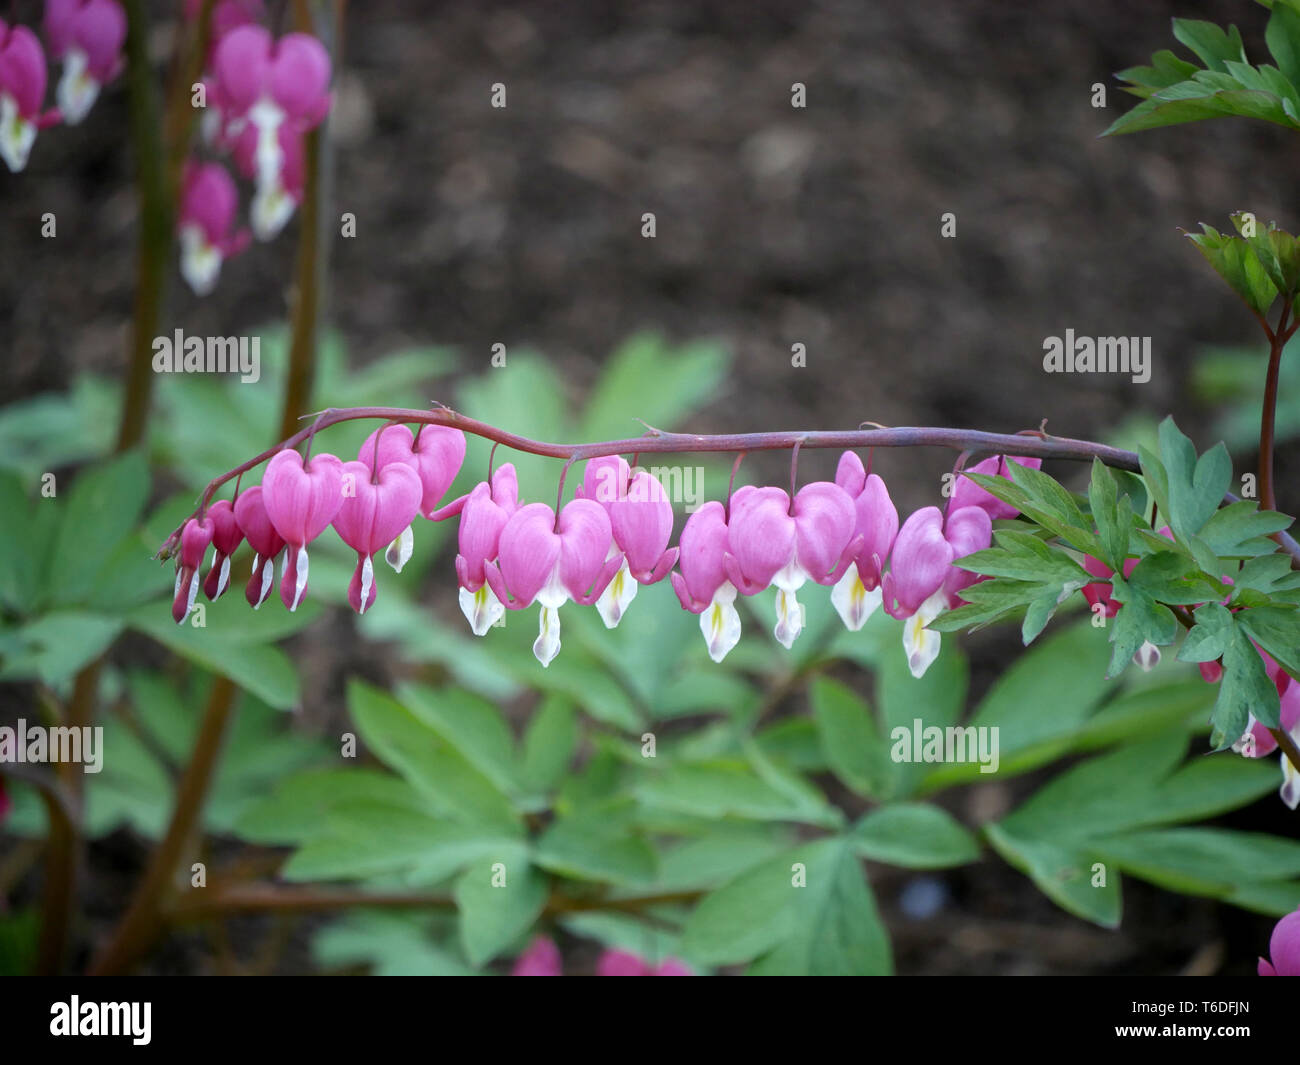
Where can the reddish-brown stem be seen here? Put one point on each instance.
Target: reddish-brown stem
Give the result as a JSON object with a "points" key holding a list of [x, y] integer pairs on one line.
{"points": [[657, 441], [223, 901], [143, 922], [1268, 412], [156, 224], [660, 442]]}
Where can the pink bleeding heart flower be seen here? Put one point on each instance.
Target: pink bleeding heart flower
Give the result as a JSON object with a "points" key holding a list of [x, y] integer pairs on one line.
{"points": [[272, 86], [549, 561], [625, 963], [857, 595], [1283, 948], [195, 537], [22, 92], [1258, 742], [226, 538], [288, 79], [88, 36], [205, 220], [967, 530], [542, 958], [966, 493], [922, 582], [255, 524], [374, 513], [276, 197], [641, 517], [483, 515], [301, 499], [774, 542], [227, 15], [436, 454], [1098, 595], [702, 586]]}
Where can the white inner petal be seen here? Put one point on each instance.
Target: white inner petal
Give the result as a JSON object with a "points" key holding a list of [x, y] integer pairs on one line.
{"points": [[77, 91], [547, 644], [267, 116], [194, 592], [271, 209], [1290, 783], [922, 644], [616, 597], [482, 609], [200, 261], [553, 593], [852, 601], [367, 581], [720, 623], [789, 617], [399, 551], [301, 584], [16, 134]]}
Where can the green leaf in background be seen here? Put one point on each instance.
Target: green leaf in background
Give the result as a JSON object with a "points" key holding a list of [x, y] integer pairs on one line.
{"points": [[915, 835], [25, 538], [234, 643], [1058, 835], [1039, 704], [829, 926], [55, 646], [53, 430], [1202, 861], [297, 808], [549, 744], [408, 744], [664, 384], [101, 509], [1064, 874], [727, 788], [366, 839], [391, 944], [598, 843], [850, 739], [498, 902], [471, 726]]}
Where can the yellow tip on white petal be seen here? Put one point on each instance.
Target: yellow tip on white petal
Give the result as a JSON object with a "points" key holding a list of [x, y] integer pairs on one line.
{"points": [[920, 643], [77, 90], [200, 261], [852, 601], [720, 623], [1290, 782], [482, 609], [17, 134], [616, 597]]}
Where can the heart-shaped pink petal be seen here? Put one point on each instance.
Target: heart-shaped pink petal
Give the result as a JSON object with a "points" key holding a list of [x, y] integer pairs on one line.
{"points": [[302, 499]]}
